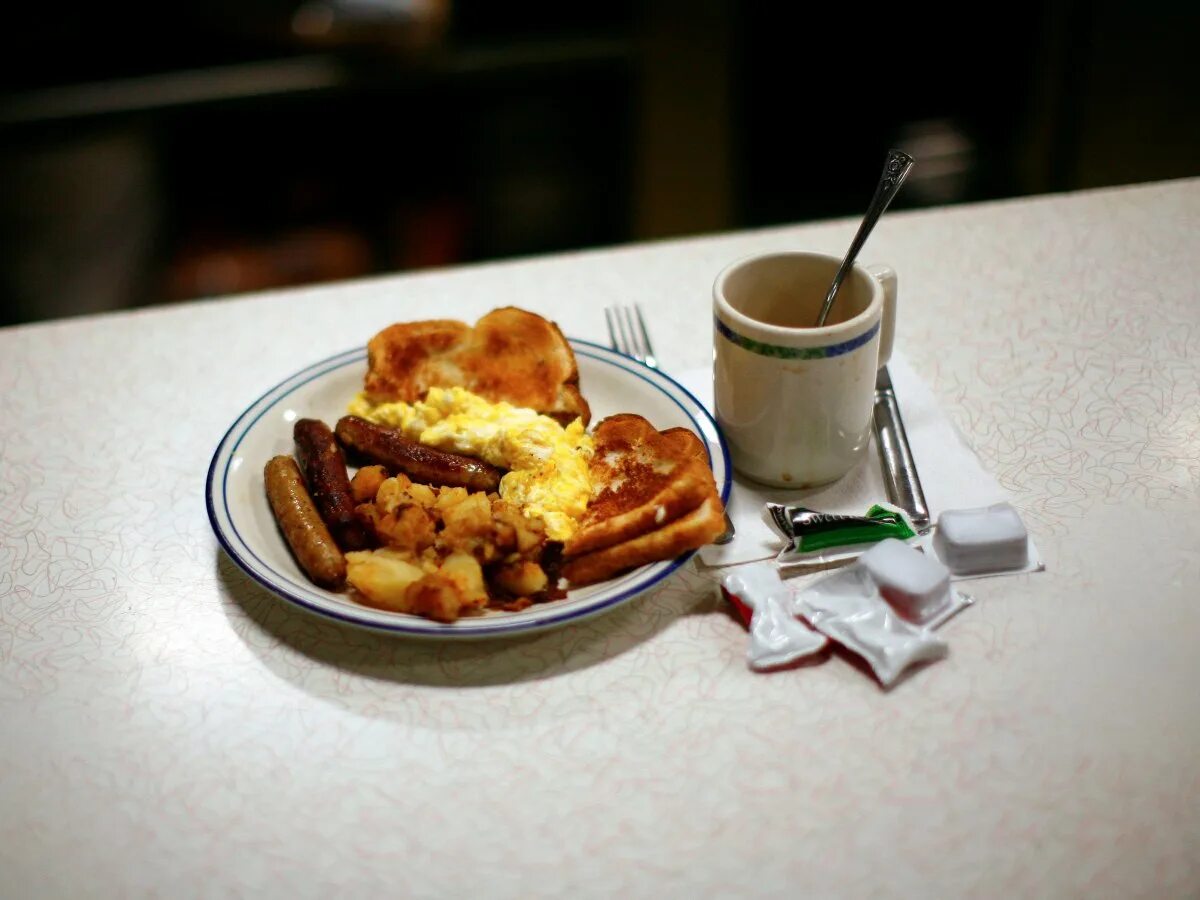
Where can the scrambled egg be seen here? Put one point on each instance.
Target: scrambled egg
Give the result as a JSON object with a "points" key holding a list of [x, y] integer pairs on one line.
{"points": [[548, 464]]}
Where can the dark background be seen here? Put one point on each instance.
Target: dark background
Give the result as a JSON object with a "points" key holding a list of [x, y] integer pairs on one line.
{"points": [[151, 156]]}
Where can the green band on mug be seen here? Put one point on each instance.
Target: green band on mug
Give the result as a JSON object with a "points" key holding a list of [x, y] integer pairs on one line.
{"points": [[779, 352]]}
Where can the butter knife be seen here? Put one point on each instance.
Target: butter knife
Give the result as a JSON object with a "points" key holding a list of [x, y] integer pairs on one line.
{"points": [[900, 476]]}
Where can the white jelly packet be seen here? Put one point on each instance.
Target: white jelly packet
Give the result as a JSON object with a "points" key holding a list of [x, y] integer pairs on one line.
{"points": [[848, 607], [777, 637], [913, 583], [984, 541]]}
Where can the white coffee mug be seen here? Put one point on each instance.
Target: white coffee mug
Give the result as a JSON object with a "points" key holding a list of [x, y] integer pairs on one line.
{"points": [[795, 402]]}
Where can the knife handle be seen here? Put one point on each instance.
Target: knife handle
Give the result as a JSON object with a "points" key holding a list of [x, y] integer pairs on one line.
{"points": [[896, 459]]}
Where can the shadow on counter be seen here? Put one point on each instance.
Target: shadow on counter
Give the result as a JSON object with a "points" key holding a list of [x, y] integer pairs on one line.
{"points": [[266, 622]]}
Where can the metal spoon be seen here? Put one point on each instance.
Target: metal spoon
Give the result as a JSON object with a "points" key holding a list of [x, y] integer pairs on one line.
{"points": [[895, 170]]}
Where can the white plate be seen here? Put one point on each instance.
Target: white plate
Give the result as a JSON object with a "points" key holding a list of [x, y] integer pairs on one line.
{"points": [[242, 520]]}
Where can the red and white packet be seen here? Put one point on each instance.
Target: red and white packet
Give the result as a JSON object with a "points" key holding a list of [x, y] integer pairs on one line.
{"points": [[850, 606], [767, 607]]}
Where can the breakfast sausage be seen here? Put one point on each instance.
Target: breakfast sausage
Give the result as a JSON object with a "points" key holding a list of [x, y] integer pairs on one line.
{"points": [[301, 524], [324, 469], [390, 448]]}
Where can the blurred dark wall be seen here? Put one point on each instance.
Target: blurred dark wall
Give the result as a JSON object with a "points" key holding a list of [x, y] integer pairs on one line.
{"points": [[1052, 96], [157, 155]]}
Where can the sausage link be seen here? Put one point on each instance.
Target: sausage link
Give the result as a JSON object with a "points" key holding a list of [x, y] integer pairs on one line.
{"points": [[390, 448], [301, 524], [324, 469]]}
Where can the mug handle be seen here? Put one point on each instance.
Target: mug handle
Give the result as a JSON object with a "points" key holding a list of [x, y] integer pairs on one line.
{"points": [[886, 276]]}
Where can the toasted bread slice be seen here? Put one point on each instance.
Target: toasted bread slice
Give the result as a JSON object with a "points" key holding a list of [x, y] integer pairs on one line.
{"points": [[701, 526], [510, 355], [688, 442], [641, 480]]}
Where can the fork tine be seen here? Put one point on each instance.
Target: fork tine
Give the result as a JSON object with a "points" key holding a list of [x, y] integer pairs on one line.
{"points": [[627, 334], [612, 331], [648, 354], [635, 333]]}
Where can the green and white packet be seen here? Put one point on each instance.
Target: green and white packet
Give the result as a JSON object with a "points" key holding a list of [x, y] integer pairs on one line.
{"points": [[816, 539]]}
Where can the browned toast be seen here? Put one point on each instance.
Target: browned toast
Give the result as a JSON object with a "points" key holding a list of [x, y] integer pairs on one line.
{"points": [[688, 443], [641, 480], [510, 355], [701, 526]]}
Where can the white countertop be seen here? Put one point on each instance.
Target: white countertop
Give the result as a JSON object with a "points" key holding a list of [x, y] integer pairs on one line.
{"points": [[167, 727]]}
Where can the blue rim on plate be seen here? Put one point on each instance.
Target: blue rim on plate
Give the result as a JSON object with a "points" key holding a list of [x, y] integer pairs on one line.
{"points": [[225, 517]]}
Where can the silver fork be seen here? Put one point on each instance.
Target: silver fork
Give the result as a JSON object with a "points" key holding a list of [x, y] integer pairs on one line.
{"points": [[627, 333]]}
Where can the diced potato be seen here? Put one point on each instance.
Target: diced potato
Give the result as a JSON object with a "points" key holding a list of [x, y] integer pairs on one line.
{"points": [[400, 491], [450, 496], [365, 484], [520, 579], [436, 542], [467, 576], [530, 534], [422, 495], [467, 522], [504, 536], [390, 494], [435, 596], [409, 528], [506, 519], [369, 515], [383, 577]]}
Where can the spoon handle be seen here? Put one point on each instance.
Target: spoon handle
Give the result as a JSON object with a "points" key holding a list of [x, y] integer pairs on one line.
{"points": [[895, 170]]}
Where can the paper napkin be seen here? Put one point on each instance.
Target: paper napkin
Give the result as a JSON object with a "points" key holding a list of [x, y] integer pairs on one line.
{"points": [[951, 474]]}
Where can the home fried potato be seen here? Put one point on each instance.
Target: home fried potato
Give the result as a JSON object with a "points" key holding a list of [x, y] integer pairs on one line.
{"points": [[520, 578], [383, 577], [365, 484], [397, 581], [447, 551]]}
